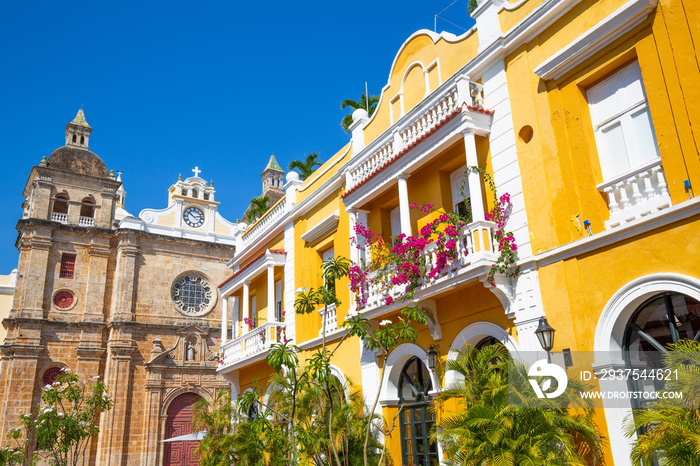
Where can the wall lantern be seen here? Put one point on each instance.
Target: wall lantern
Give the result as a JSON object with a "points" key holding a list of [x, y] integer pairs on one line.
{"points": [[432, 358], [545, 334]]}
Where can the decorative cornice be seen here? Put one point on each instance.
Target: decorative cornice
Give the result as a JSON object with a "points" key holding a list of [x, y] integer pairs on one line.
{"points": [[322, 228], [596, 38], [251, 262], [607, 238]]}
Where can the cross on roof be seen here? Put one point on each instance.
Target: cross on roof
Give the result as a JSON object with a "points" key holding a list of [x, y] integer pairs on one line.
{"points": [[196, 171]]}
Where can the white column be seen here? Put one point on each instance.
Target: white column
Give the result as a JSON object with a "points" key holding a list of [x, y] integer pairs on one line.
{"points": [[473, 177], [246, 301], [235, 317], [270, 293], [364, 252], [352, 217], [404, 209], [224, 319]]}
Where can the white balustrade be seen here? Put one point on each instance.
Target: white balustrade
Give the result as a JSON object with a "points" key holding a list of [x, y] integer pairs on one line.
{"points": [[56, 217], [254, 342], [415, 125], [268, 219], [636, 194], [86, 221], [331, 319], [476, 243]]}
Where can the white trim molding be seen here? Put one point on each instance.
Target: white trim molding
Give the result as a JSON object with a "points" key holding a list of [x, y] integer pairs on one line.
{"points": [[473, 334], [321, 228], [389, 394], [608, 338], [596, 38]]}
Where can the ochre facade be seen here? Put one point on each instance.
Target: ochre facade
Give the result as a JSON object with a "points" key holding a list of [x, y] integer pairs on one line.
{"points": [[583, 112]]}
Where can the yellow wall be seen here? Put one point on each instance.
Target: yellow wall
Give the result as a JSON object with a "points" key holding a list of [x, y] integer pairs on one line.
{"points": [[451, 56], [308, 258], [560, 166]]}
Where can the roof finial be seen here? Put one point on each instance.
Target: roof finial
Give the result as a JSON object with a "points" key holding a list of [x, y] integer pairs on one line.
{"points": [[196, 171], [179, 177]]}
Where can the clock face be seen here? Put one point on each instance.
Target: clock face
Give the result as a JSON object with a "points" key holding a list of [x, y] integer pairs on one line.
{"points": [[194, 217], [192, 294]]}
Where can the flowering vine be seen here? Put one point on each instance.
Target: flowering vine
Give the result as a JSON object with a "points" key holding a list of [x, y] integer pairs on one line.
{"points": [[412, 261], [249, 322], [403, 267], [507, 248]]}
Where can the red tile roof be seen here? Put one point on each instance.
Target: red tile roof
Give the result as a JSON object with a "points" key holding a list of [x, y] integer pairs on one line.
{"points": [[250, 262]]}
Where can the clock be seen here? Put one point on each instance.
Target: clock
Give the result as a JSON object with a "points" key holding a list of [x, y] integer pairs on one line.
{"points": [[194, 217], [192, 294]]}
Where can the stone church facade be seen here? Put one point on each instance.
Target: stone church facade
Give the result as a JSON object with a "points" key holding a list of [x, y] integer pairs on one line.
{"points": [[133, 300]]}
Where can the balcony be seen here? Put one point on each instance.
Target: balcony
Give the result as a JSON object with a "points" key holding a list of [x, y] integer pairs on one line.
{"points": [[61, 218], [264, 223], [252, 346], [86, 221], [476, 252], [636, 194], [331, 319], [420, 123]]}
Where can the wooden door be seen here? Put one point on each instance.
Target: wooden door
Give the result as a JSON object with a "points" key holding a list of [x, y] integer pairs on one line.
{"points": [[179, 422]]}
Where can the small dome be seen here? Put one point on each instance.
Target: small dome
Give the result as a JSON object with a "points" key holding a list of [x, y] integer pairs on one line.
{"points": [[358, 114], [77, 160], [292, 176]]}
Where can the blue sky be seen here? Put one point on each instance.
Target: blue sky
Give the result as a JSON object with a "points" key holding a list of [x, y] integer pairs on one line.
{"points": [[170, 85]]}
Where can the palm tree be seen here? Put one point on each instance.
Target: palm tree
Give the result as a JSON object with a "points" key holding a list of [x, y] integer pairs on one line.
{"points": [[310, 410], [672, 425], [307, 167], [234, 438], [258, 206], [370, 106], [488, 430]]}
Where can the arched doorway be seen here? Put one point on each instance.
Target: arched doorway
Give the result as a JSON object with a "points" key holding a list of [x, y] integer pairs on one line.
{"points": [[179, 422], [416, 417], [660, 321]]}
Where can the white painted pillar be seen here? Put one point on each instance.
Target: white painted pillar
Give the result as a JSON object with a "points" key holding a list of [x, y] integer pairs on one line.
{"points": [[224, 319], [354, 251], [404, 209], [246, 302], [235, 317], [364, 252], [270, 293], [473, 177], [370, 376]]}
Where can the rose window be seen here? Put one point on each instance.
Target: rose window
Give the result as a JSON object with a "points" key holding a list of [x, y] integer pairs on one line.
{"points": [[192, 294], [63, 299], [50, 375]]}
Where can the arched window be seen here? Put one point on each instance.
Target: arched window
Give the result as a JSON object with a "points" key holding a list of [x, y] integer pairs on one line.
{"points": [[416, 417], [82, 139], [60, 204], [195, 193], [87, 208], [661, 320], [75, 138], [487, 341]]}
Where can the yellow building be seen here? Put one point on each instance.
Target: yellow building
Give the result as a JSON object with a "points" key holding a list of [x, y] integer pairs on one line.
{"points": [[581, 111], [7, 290]]}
